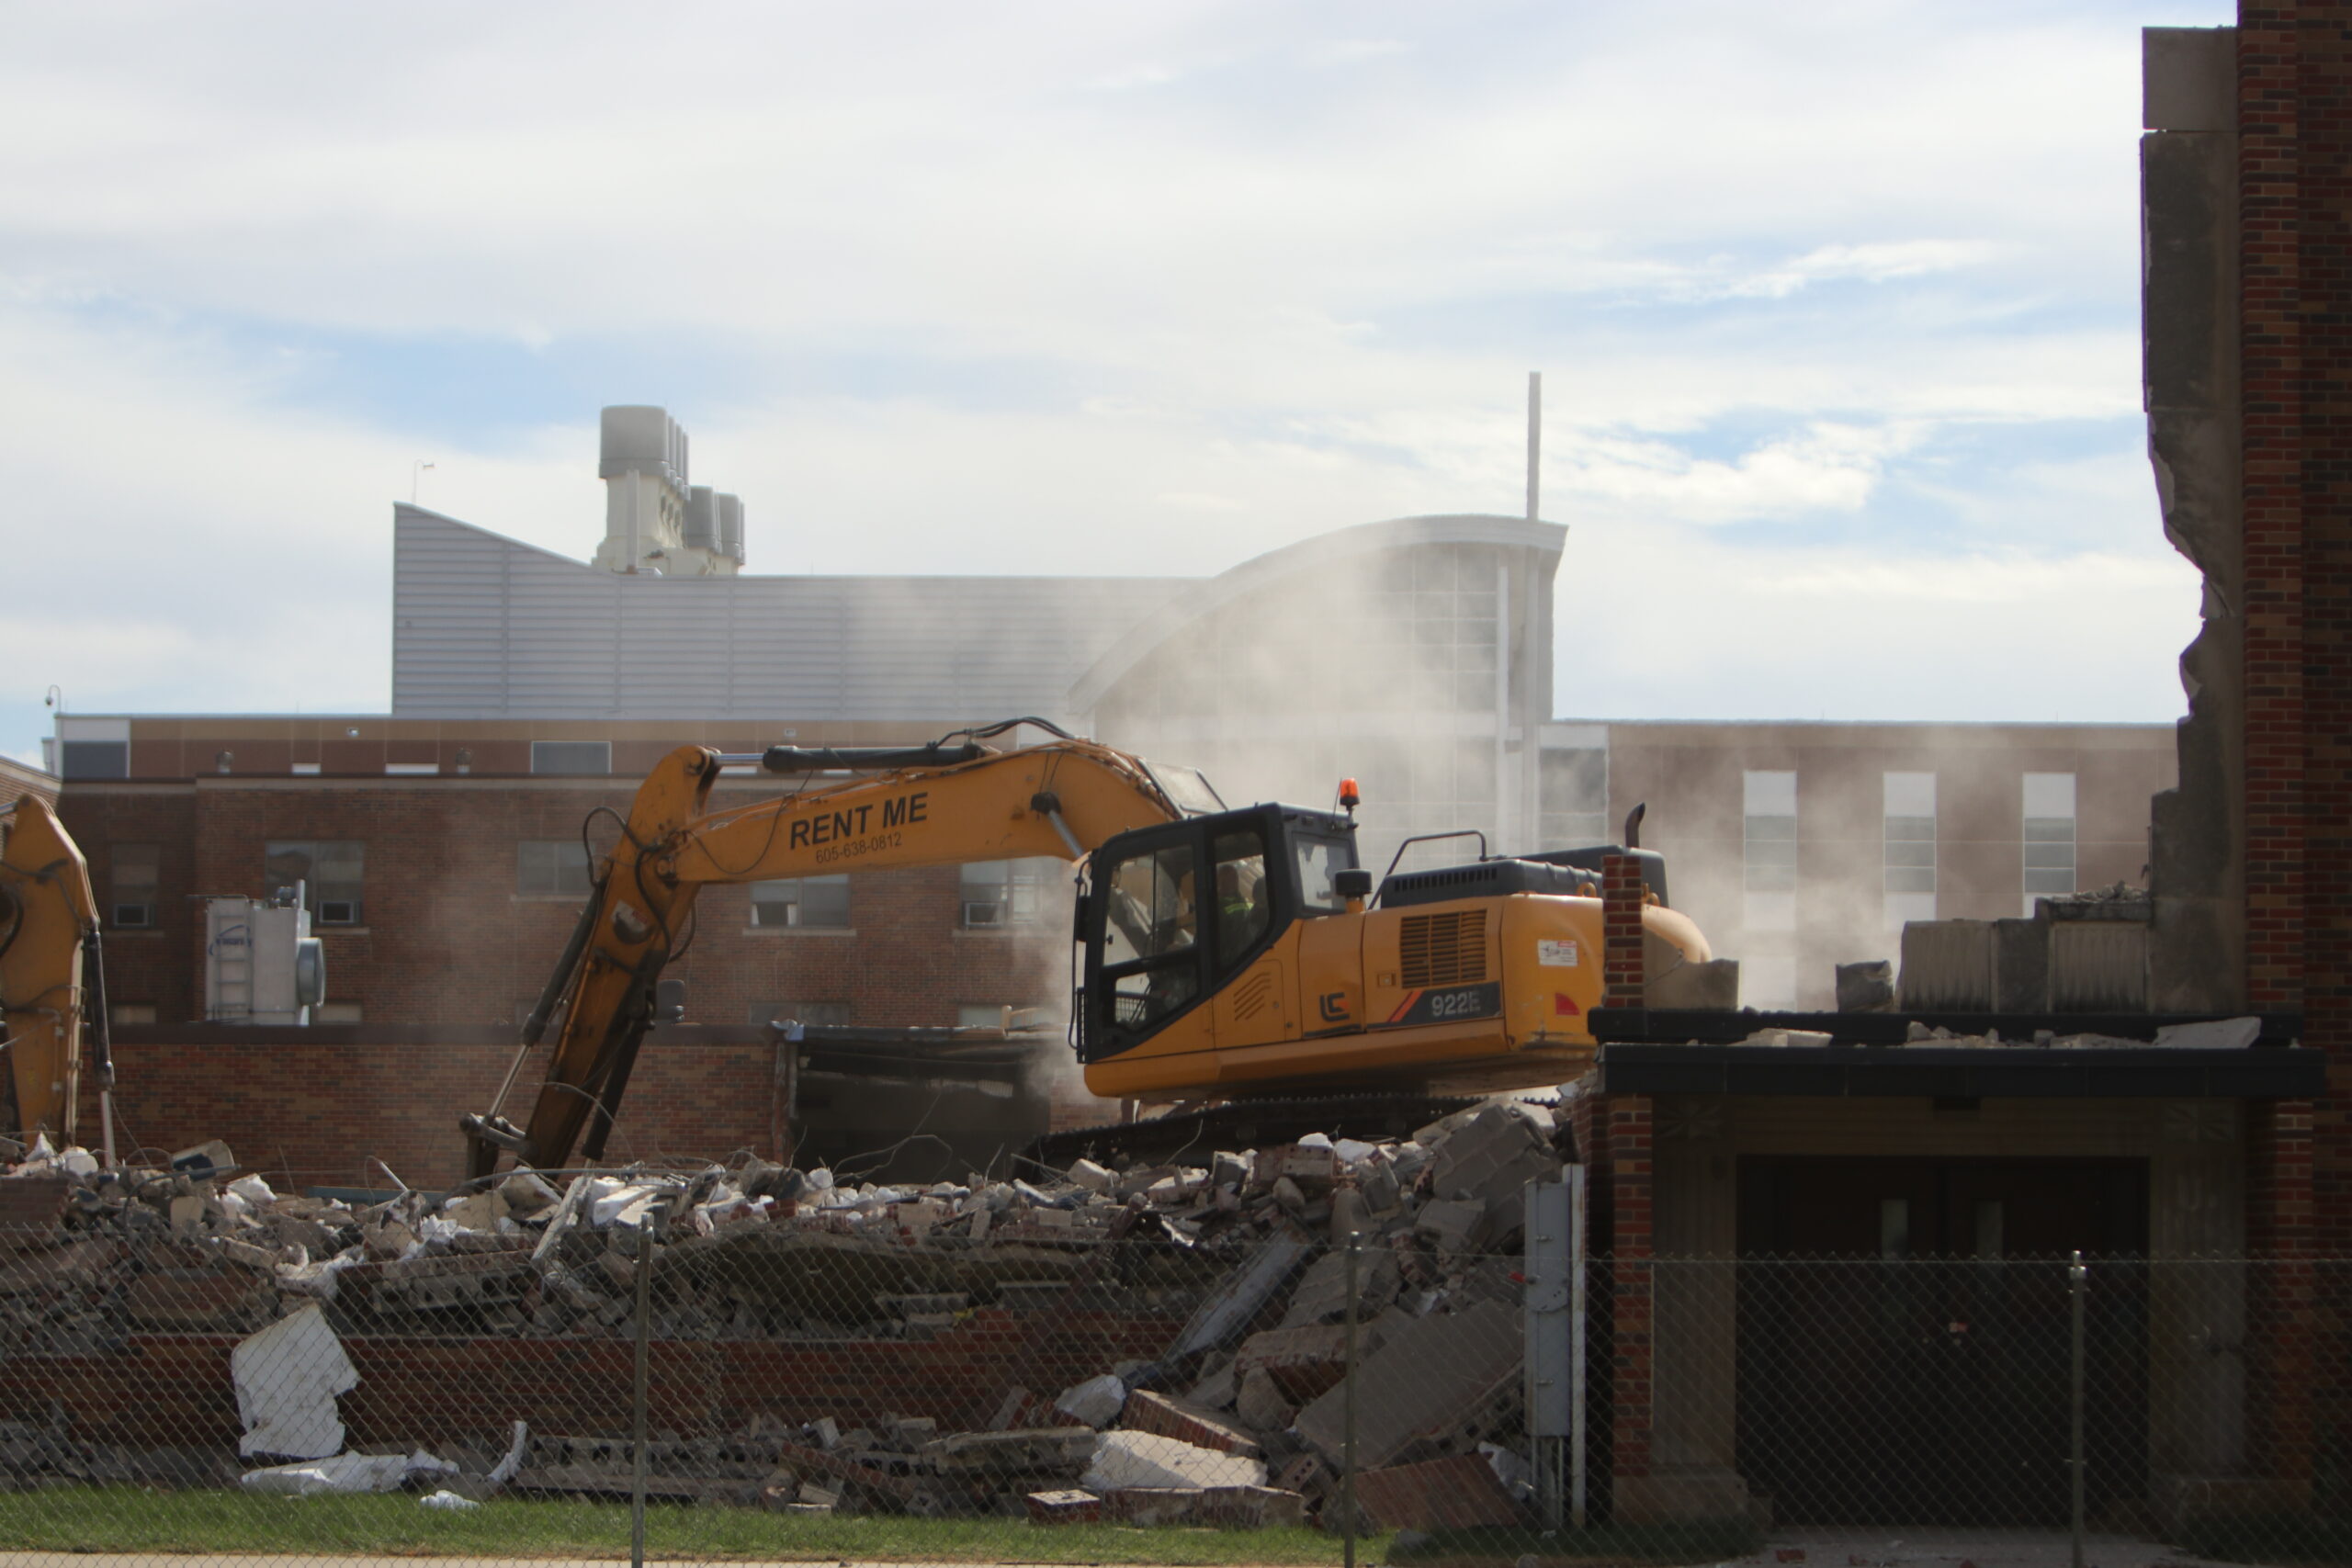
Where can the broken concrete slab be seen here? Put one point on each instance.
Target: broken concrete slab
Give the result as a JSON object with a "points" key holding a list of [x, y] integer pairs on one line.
{"points": [[1262, 1405], [1422, 1385], [1149, 1412], [1459, 1492], [1147, 1460], [1236, 1302], [1216, 1388], [1302, 1361], [1097, 1401], [1454, 1225], [287, 1379], [1032, 1451], [1492, 1157], [2213, 1035], [1321, 1294]]}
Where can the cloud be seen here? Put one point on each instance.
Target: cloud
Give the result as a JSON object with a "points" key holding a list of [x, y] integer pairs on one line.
{"points": [[1114, 289]]}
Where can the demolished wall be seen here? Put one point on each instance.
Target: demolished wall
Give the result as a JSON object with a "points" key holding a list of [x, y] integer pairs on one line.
{"points": [[2188, 189]]}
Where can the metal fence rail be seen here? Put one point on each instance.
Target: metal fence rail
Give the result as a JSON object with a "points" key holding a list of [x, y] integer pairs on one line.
{"points": [[653, 1387]]}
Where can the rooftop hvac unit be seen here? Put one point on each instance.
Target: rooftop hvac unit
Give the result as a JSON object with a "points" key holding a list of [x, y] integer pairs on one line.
{"points": [[261, 963], [701, 531], [730, 527]]}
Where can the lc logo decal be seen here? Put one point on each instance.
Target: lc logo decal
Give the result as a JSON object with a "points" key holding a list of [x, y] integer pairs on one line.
{"points": [[1335, 1007]]}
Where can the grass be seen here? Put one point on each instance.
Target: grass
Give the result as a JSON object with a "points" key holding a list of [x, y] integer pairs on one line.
{"points": [[129, 1519], [1699, 1540]]}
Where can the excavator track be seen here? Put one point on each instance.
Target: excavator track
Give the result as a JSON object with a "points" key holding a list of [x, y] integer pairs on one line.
{"points": [[1248, 1124]]}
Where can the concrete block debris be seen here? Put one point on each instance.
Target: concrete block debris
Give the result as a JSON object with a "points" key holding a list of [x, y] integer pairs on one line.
{"points": [[1124, 1342], [1147, 1459], [1097, 1401], [1156, 1413]]}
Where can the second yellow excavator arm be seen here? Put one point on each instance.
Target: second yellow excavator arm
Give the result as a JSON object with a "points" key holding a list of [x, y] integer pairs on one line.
{"points": [[930, 807], [49, 977]]}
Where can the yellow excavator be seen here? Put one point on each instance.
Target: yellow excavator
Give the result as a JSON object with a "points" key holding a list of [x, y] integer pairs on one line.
{"points": [[52, 979], [1227, 953]]}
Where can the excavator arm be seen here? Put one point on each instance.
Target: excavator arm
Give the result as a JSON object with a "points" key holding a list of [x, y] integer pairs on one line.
{"points": [[50, 983], [927, 806]]}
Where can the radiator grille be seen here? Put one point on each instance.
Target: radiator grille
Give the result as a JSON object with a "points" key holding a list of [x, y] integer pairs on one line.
{"points": [[1253, 995], [1444, 950]]}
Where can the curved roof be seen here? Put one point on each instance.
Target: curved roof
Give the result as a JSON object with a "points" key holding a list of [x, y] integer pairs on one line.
{"points": [[1308, 555]]}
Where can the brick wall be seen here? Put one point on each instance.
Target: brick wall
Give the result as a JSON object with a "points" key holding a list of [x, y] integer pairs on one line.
{"points": [[2295, 360], [173, 1390], [2271, 368], [314, 1112], [1632, 1299], [446, 939]]}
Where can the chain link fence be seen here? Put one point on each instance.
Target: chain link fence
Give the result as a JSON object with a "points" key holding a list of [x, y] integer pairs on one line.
{"points": [[629, 1365]]}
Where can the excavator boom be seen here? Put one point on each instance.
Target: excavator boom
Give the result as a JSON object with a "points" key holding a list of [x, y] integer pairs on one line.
{"points": [[50, 980], [932, 806]]}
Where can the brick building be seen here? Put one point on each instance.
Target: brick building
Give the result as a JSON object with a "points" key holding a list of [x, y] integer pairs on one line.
{"points": [[2225, 1174]]}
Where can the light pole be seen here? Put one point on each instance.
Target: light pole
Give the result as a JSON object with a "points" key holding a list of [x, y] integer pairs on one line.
{"points": [[416, 478]]}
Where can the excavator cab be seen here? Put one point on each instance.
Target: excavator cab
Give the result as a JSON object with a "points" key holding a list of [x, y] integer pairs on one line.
{"points": [[1169, 914]]}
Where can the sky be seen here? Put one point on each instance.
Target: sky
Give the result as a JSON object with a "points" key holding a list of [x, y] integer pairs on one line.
{"points": [[1836, 309]]}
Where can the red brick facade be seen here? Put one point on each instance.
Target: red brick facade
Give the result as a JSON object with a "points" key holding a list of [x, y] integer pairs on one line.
{"points": [[446, 938], [2295, 360]]}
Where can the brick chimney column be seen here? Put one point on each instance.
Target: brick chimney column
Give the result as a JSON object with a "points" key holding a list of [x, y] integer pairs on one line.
{"points": [[1621, 929]]}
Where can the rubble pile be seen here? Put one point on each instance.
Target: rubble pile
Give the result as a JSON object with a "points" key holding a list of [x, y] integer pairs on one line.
{"points": [[1236, 1420]]}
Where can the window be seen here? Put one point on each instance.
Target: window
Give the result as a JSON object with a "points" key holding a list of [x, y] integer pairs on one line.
{"points": [[96, 759], [1769, 850], [2048, 836], [1244, 902], [305, 767], [1150, 936], [1909, 891], [581, 757], [1008, 892], [1320, 860], [137, 876], [833, 1015], [337, 1013], [131, 1012], [551, 868], [411, 768], [810, 902], [330, 871], [982, 1017]]}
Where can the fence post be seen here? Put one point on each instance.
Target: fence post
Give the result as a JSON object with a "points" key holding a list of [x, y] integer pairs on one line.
{"points": [[1348, 1407], [639, 1385], [2079, 1279]]}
